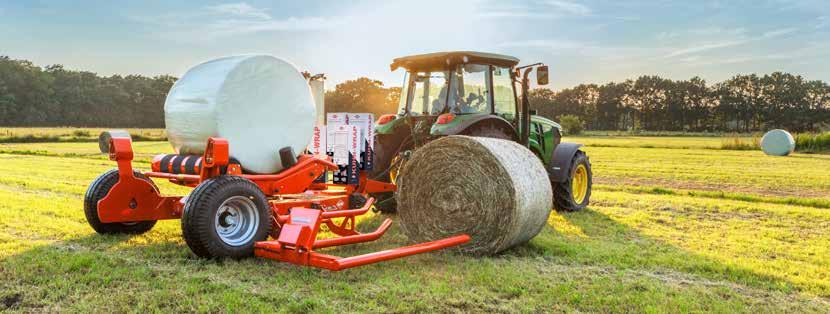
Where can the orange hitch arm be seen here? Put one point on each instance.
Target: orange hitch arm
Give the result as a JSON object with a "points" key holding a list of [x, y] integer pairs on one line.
{"points": [[132, 199]]}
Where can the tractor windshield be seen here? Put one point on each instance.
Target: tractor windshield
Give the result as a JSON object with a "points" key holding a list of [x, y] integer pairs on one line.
{"points": [[425, 93], [466, 89], [470, 89]]}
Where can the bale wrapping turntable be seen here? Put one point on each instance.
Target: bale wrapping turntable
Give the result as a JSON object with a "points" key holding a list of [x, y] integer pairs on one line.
{"points": [[231, 214]]}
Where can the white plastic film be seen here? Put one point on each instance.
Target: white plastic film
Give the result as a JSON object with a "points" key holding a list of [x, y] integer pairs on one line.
{"points": [[259, 103], [777, 143], [318, 93]]}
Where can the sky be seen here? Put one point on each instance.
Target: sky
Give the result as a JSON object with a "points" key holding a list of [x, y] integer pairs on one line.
{"points": [[593, 41]]}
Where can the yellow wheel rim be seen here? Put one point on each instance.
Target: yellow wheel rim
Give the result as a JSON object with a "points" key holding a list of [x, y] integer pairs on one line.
{"points": [[396, 163], [579, 184]]}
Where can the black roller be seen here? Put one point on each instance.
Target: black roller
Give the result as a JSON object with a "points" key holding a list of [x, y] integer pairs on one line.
{"points": [[106, 136], [288, 157]]}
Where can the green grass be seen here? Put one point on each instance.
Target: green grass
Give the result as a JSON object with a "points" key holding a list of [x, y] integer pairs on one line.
{"points": [[812, 142], [669, 230], [69, 134], [748, 172], [683, 142], [741, 143]]}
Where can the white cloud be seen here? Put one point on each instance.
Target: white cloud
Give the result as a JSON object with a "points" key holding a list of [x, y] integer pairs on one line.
{"points": [[240, 9], [596, 52], [740, 39], [546, 9], [717, 30], [667, 35], [802, 54], [779, 32], [226, 20], [515, 14], [551, 44], [568, 7], [703, 32], [705, 47], [823, 21]]}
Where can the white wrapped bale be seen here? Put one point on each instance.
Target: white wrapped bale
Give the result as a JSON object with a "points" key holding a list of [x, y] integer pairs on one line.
{"points": [[259, 103], [777, 143], [494, 190]]}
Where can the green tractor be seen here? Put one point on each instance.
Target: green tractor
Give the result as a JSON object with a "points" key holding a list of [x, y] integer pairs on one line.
{"points": [[475, 93]]}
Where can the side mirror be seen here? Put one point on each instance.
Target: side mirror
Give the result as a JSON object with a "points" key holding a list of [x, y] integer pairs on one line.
{"points": [[542, 75]]}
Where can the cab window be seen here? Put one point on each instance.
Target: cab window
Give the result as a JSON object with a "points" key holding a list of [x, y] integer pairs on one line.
{"points": [[427, 93], [505, 100], [470, 93]]}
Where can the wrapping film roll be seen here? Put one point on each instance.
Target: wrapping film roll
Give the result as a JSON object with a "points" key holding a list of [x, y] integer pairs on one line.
{"points": [[259, 103], [494, 190]]}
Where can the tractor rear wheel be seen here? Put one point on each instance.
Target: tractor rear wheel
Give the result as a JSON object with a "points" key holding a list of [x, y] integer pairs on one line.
{"points": [[574, 193], [224, 217], [488, 130], [98, 190]]}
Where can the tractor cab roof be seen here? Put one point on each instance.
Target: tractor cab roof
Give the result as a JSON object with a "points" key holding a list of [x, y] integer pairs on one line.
{"points": [[443, 60]]}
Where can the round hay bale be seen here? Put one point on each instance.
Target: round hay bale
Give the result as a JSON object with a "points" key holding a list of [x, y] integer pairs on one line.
{"points": [[777, 143], [494, 190]]}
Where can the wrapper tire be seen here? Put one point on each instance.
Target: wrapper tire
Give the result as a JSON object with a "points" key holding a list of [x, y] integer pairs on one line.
{"points": [[98, 190], [200, 211]]}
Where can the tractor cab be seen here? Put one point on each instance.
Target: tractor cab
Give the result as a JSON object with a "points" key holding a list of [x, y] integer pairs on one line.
{"points": [[453, 90], [464, 92]]}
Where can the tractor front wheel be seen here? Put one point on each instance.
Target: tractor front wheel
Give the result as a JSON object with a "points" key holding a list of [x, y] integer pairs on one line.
{"points": [[224, 217], [574, 193], [98, 190]]}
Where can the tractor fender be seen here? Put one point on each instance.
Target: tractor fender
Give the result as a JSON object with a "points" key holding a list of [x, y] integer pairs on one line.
{"points": [[560, 163], [469, 121]]}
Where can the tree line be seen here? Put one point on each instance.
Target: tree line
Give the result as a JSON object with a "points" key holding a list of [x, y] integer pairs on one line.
{"points": [[743, 103], [54, 96]]}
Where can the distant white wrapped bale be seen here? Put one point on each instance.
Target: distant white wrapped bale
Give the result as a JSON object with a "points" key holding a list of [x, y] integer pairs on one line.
{"points": [[494, 190], [259, 103], [778, 143]]}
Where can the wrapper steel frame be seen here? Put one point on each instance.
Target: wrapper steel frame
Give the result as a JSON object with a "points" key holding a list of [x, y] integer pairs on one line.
{"points": [[299, 206]]}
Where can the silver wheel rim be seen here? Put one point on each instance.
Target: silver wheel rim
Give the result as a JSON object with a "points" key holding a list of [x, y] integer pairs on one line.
{"points": [[236, 220]]}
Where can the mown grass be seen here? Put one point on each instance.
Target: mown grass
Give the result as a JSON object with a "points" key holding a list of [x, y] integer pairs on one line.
{"points": [[748, 172], [71, 134], [800, 176], [657, 238], [804, 142], [681, 142]]}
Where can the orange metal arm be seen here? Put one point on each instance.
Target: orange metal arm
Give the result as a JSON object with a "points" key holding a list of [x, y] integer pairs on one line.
{"points": [[363, 237], [365, 259]]}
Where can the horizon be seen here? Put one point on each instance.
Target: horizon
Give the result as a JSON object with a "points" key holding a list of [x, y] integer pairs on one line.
{"points": [[605, 41]]}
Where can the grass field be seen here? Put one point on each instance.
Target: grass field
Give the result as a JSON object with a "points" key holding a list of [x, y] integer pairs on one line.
{"points": [[67, 134], [675, 228]]}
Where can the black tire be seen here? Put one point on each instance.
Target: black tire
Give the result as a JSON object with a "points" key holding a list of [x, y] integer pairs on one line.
{"points": [[385, 203], [357, 200], [563, 198], [386, 148], [199, 218], [389, 147], [488, 130], [96, 191]]}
